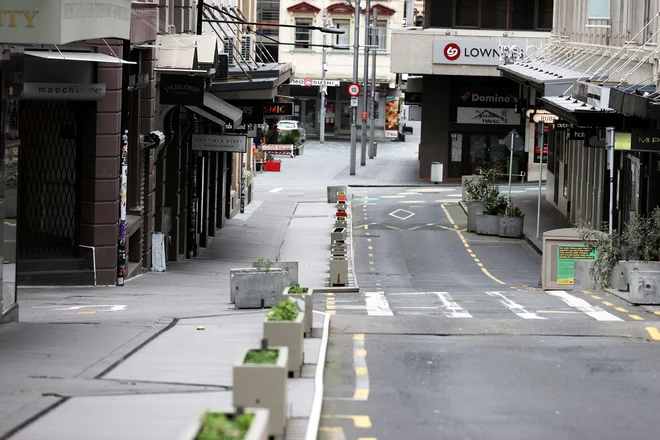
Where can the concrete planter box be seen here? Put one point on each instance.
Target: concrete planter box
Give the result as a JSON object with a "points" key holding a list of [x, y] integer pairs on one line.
{"points": [[258, 428], [254, 289], [332, 192], [488, 224], [474, 208], [582, 279], [338, 252], [511, 227], [264, 386], [338, 271], [291, 267], [341, 224], [338, 234], [464, 181], [304, 303], [637, 282], [341, 205], [288, 334]]}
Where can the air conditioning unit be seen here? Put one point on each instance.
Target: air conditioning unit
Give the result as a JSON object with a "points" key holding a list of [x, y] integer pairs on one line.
{"points": [[247, 47], [230, 49]]}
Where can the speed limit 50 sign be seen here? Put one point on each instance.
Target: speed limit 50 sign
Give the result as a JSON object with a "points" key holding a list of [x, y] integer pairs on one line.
{"points": [[354, 90]]}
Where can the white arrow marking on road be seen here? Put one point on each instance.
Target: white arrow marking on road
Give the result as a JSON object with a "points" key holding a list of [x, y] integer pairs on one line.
{"points": [[452, 309], [377, 304], [594, 311], [514, 307], [394, 214], [111, 309]]}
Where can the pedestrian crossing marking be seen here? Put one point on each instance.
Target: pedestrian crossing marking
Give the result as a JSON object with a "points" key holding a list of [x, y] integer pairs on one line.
{"points": [[594, 311], [514, 307], [452, 309]]}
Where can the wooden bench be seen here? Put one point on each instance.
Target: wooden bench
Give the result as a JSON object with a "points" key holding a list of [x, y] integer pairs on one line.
{"points": [[278, 149]]}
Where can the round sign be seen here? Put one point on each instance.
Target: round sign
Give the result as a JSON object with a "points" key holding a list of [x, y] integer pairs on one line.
{"points": [[452, 51], [308, 82], [354, 89]]}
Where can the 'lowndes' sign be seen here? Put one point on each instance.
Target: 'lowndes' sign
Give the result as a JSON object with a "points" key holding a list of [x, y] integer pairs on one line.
{"points": [[482, 52]]}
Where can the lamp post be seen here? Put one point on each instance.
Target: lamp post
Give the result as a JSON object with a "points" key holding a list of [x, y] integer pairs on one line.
{"points": [[372, 115], [356, 49], [365, 96], [323, 87]]}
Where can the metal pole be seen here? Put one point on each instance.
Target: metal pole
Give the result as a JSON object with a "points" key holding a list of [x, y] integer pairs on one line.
{"points": [[410, 7], [365, 94], [356, 50], [323, 67], [200, 16], [511, 170], [372, 115], [538, 210], [610, 164]]}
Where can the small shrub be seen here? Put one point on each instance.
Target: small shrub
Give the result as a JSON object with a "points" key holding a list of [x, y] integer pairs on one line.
{"points": [[217, 426], [266, 264], [513, 212], [284, 311], [495, 203], [297, 290], [266, 356]]}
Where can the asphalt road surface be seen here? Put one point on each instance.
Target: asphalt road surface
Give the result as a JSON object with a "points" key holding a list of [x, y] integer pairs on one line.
{"points": [[450, 337]]}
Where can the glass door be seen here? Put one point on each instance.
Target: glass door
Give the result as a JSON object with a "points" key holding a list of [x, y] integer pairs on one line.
{"points": [[478, 151], [345, 122]]}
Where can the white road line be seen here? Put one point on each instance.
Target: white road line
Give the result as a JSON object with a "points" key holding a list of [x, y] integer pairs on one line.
{"points": [[594, 311], [451, 308], [276, 190], [377, 304], [514, 307]]}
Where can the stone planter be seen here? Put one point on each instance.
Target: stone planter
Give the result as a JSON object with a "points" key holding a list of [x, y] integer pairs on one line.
{"points": [[254, 289], [305, 303], [474, 208], [338, 234], [258, 428], [332, 192], [338, 271], [291, 267], [338, 251], [488, 224], [288, 334], [339, 223], [637, 282], [341, 205], [264, 386], [511, 227]]}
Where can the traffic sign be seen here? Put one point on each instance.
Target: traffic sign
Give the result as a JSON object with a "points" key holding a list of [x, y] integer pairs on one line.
{"points": [[518, 143], [354, 89], [365, 116], [354, 101]]}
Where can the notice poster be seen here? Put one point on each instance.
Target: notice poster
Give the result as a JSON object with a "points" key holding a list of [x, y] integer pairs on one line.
{"points": [[392, 117], [566, 256]]}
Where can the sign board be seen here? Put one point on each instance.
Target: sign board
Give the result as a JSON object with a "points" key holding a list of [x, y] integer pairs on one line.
{"points": [[638, 140], [216, 142], [567, 254], [64, 92], [279, 109], [253, 111], [315, 82], [412, 98], [562, 125], [487, 116], [392, 117], [365, 116], [481, 52], [182, 90], [577, 133], [249, 130], [518, 143], [354, 101], [354, 89], [486, 97], [63, 21]]}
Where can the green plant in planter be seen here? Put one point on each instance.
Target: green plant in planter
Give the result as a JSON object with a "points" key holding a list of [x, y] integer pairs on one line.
{"points": [[263, 356], [218, 426], [284, 311], [495, 203], [297, 290], [266, 264], [479, 187], [512, 212], [290, 137]]}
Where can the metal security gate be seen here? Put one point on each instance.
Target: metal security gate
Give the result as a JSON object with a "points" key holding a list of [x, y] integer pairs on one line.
{"points": [[49, 181]]}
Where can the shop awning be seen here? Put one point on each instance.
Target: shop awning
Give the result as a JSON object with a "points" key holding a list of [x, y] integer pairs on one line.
{"points": [[553, 81], [93, 57], [218, 111], [638, 101], [580, 113]]}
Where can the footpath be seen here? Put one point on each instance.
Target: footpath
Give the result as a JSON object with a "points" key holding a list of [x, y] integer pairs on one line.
{"points": [[130, 362]]}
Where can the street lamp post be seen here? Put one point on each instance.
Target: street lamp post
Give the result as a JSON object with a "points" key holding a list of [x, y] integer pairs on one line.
{"points": [[372, 116], [323, 87], [365, 95], [356, 50]]}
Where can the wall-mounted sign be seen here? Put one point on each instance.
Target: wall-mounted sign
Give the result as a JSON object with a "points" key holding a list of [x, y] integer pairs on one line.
{"points": [[63, 21], [487, 116], [412, 98], [249, 130], [392, 117], [593, 94], [577, 133], [638, 140], [279, 109], [182, 90], [481, 52], [215, 142], [541, 116], [486, 96], [253, 111], [561, 125], [308, 82], [64, 92]]}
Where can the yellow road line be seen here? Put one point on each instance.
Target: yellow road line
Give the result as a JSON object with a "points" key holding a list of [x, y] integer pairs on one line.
{"points": [[358, 421], [596, 297], [361, 371], [86, 313], [586, 292], [358, 337], [361, 353], [655, 334], [371, 255], [656, 313], [607, 303], [636, 317], [371, 248], [366, 226], [331, 312], [621, 309], [361, 394]]}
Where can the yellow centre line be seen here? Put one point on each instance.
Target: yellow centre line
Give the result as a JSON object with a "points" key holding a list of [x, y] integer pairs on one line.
{"points": [[358, 337], [371, 248], [361, 353], [358, 421], [596, 297], [655, 334], [607, 303], [636, 317], [621, 309]]}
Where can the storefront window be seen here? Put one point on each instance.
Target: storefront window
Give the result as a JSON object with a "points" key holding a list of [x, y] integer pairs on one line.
{"points": [[9, 207]]}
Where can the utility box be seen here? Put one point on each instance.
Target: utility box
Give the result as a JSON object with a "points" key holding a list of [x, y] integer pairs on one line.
{"points": [[561, 249], [436, 172]]}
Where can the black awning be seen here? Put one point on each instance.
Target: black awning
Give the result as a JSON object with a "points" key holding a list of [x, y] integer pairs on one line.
{"points": [[582, 114], [204, 114], [218, 111]]}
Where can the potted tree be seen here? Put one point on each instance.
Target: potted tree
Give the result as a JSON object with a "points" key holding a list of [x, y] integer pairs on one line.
{"points": [[488, 222], [235, 424], [302, 297], [283, 326], [292, 137], [478, 188], [512, 221], [260, 380], [272, 164]]}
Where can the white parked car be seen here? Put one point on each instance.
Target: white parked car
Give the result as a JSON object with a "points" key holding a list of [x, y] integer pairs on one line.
{"points": [[289, 125]]}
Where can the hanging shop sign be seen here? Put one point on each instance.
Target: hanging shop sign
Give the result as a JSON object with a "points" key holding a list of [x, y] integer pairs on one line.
{"points": [[541, 116], [487, 116], [482, 52], [182, 90], [562, 125], [249, 130], [638, 140], [253, 111], [213, 142], [279, 109], [64, 92], [392, 117], [309, 82], [63, 21]]}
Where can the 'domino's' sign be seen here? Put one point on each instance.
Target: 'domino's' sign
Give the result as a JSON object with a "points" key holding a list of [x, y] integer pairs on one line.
{"points": [[481, 52]]}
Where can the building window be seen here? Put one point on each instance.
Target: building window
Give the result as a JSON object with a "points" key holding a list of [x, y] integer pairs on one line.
{"points": [[467, 13], [494, 14], [345, 38], [381, 35], [544, 14], [303, 35]]}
